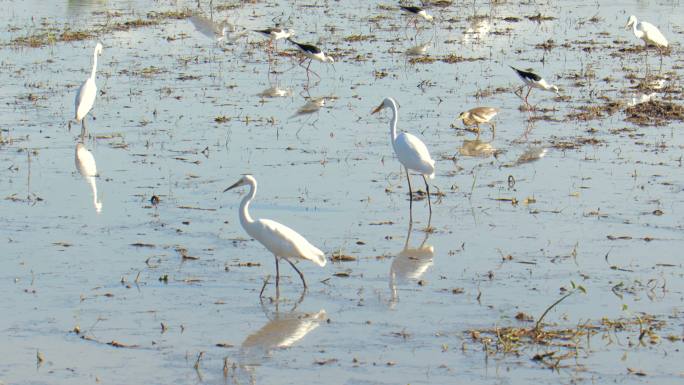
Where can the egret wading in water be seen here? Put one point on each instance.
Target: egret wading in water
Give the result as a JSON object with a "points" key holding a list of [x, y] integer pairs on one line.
{"points": [[479, 115], [647, 32], [311, 52], [531, 81], [279, 239], [85, 98], [412, 153]]}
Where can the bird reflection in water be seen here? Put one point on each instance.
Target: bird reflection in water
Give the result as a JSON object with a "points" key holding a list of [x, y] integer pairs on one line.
{"points": [[311, 106], [531, 154], [283, 330], [477, 148], [85, 164], [85, 7], [219, 31], [410, 263], [477, 31], [420, 49], [275, 92]]}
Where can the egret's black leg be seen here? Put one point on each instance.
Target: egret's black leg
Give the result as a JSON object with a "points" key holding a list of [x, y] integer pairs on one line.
{"points": [[427, 188], [408, 179], [298, 272], [277, 272]]}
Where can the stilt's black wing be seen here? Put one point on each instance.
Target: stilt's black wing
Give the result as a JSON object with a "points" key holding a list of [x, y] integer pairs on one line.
{"points": [[312, 49], [527, 75], [411, 9]]}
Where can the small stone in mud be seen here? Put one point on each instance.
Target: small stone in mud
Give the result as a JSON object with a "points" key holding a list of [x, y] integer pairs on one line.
{"points": [[524, 317]]}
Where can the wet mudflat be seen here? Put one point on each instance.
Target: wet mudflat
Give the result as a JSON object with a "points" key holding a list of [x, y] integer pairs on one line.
{"points": [[579, 197]]}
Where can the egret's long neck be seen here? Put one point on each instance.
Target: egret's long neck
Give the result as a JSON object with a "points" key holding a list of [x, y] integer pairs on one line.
{"points": [[92, 73], [93, 187], [393, 122], [245, 218], [637, 33]]}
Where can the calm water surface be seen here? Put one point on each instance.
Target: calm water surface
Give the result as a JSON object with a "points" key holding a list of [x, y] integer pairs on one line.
{"points": [[181, 117]]}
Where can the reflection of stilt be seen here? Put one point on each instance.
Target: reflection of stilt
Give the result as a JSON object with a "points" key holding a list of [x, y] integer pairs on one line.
{"points": [[526, 132], [308, 69]]}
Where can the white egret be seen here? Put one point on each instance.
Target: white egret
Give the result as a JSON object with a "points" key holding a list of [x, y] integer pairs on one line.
{"points": [[647, 32], [85, 164], [279, 239], [532, 80], [312, 53], [411, 151], [479, 115], [85, 98]]}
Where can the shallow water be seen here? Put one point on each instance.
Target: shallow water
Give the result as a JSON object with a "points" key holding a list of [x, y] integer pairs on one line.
{"points": [[180, 116]]}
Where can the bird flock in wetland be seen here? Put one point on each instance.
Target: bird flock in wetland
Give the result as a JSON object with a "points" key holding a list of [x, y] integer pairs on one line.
{"points": [[411, 152]]}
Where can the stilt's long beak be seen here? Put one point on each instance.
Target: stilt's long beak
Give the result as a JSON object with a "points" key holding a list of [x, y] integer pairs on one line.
{"points": [[236, 184]]}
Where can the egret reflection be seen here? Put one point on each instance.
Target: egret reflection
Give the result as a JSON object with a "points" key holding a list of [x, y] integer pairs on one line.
{"points": [[85, 164], [476, 148], [283, 330], [410, 263]]}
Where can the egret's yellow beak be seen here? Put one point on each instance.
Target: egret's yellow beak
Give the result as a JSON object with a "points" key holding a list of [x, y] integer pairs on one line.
{"points": [[376, 109]]}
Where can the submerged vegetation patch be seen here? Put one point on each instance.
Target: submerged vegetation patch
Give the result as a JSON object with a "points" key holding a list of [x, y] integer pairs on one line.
{"points": [[557, 345], [52, 34], [654, 113]]}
